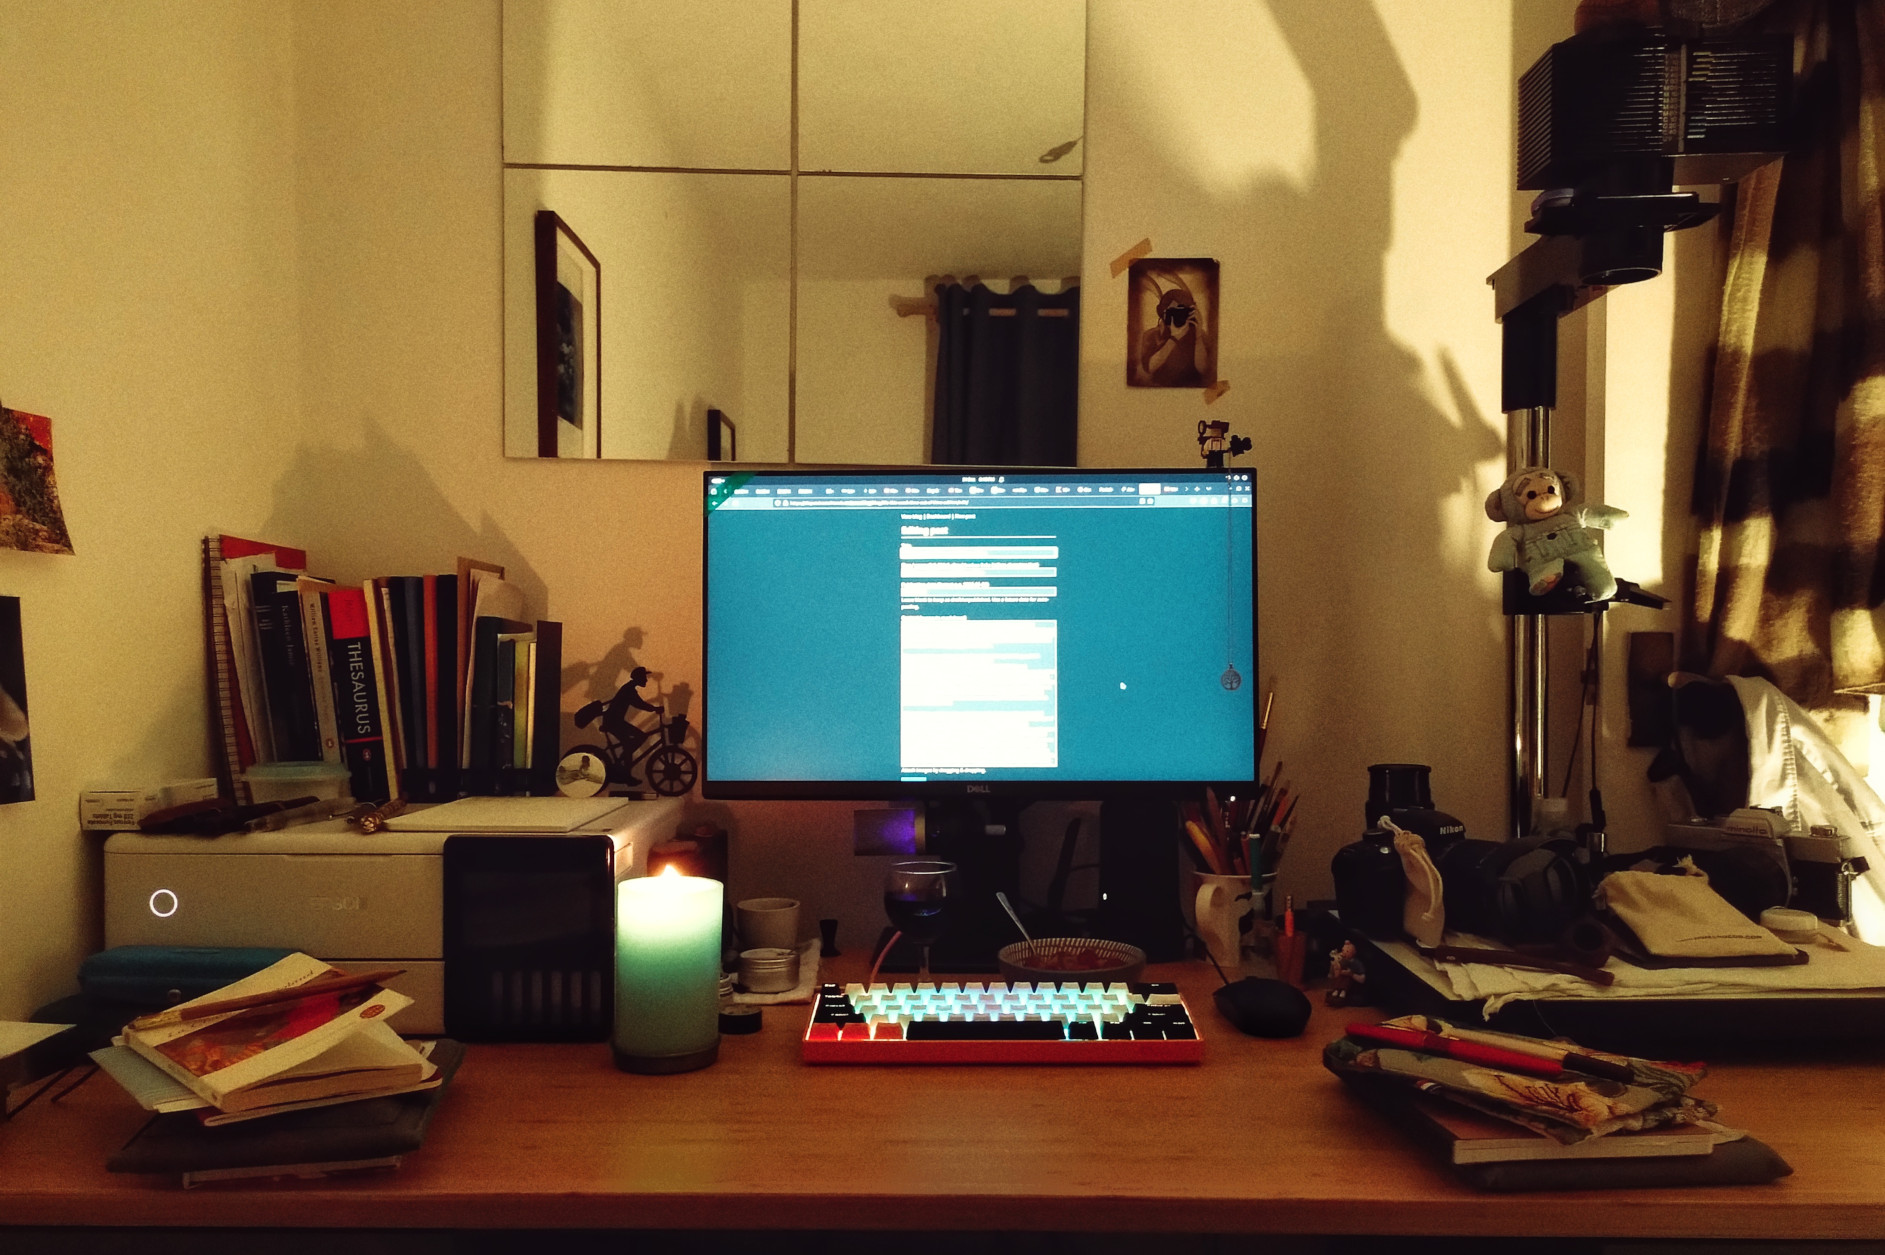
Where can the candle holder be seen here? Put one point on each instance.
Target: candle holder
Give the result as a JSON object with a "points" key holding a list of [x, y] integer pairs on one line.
{"points": [[667, 973]]}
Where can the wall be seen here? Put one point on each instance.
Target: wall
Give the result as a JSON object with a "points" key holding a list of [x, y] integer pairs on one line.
{"points": [[147, 254], [1348, 164]]}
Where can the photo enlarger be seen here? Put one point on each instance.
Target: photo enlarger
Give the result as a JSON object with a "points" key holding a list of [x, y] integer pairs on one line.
{"points": [[1610, 123]]}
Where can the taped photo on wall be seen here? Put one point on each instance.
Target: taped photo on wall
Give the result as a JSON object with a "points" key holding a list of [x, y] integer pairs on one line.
{"points": [[30, 517], [16, 748]]}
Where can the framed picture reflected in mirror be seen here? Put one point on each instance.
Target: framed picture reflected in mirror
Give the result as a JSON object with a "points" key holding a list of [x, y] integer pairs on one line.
{"points": [[569, 356]]}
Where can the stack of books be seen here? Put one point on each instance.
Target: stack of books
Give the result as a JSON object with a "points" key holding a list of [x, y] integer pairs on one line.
{"points": [[1507, 1112], [424, 686], [296, 1039]]}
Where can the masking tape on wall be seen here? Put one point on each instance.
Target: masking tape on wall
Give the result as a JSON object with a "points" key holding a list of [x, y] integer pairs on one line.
{"points": [[1142, 249]]}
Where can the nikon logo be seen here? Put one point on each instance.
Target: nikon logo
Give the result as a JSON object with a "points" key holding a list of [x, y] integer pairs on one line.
{"points": [[334, 904]]}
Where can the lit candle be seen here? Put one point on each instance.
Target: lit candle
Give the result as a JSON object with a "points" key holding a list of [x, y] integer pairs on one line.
{"points": [[667, 972]]}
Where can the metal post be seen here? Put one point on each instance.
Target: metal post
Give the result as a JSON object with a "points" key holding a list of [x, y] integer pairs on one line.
{"points": [[1529, 445]]}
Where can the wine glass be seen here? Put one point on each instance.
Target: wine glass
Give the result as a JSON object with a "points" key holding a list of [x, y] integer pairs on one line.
{"points": [[915, 896]]}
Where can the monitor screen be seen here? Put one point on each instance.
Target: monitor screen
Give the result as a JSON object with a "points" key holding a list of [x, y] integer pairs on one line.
{"points": [[930, 633]]}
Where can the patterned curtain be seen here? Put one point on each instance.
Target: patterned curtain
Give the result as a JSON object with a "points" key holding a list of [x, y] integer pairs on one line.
{"points": [[1789, 501]]}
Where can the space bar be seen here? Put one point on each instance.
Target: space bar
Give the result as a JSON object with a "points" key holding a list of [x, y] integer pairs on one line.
{"points": [[985, 1030]]}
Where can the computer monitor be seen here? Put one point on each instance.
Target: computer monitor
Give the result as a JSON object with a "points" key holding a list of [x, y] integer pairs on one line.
{"points": [[932, 634]]}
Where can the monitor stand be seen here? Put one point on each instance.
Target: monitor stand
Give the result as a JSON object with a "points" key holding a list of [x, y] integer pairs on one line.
{"points": [[982, 837]]}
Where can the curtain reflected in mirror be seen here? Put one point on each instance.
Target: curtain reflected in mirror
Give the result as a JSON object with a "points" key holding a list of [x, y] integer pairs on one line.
{"points": [[1007, 377]]}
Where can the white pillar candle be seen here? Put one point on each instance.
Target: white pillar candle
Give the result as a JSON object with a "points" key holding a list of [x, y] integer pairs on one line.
{"points": [[667, 972]]}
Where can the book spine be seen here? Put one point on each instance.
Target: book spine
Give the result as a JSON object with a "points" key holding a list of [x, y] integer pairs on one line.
{"points": [[298, 695], [481, 714], [522, 707], [547, 709], [285, 673], [311, 596], [504, 700], [384, 680], [351, 652], [221, 670], [409, 604], [449, 678], [239, 601], [429, 643]]}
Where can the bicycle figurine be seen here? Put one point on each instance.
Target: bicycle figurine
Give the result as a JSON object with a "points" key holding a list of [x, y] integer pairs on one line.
{"points": [[670, 768]]}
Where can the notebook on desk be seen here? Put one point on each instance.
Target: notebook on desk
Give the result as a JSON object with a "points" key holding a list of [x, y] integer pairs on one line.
{"points": [[507, 814], [1766, 1012], [374, 1132]]}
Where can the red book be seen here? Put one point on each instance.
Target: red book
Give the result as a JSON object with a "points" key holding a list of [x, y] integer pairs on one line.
{"points": [[356, 694], [430, 586]]}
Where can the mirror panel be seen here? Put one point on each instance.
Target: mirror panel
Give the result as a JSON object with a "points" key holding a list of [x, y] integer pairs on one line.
{"points": [[942, 86], [695, 275], [866, 375], [705, 84]]}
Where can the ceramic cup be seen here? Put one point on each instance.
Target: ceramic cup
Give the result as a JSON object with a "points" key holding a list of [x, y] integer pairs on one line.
{"points": [[767, 923], [1219, 906]]}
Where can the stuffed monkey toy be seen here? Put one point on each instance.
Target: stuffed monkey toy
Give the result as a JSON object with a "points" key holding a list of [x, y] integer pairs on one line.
{"points": [[1546, 535]]}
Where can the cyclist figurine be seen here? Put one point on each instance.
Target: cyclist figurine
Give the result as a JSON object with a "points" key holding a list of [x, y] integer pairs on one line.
{"points": [[670, 769], [615, 721]]}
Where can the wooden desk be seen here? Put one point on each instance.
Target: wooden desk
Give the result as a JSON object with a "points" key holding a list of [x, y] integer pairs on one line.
{"points": [[1256, 1139]]}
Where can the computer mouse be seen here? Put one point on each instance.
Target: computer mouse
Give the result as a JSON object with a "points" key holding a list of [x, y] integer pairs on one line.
{"points": [[1263, 1008]]}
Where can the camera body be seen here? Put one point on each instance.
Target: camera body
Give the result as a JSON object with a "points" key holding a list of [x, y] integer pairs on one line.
{"points": [[1765, 864]]}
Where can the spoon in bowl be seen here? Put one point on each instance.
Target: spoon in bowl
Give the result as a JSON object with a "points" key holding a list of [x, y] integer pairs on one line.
{"points": [[1002, 898]]}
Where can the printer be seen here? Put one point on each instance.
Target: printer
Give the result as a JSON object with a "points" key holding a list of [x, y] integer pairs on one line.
{"points": [[346, 897]]}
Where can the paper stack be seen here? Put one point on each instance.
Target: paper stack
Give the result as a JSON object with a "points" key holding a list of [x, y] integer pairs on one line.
{"points": [[1508, 1112], [295, 1035]]}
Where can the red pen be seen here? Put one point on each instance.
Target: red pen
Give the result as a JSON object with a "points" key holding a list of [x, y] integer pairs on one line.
{"points": [[1454, 1048]]}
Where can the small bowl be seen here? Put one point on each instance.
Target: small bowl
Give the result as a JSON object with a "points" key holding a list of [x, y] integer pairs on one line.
{"points": [[1071, 959]]}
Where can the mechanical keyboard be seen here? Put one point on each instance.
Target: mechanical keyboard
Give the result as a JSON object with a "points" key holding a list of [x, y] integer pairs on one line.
{"points": [[1067, 1022]]}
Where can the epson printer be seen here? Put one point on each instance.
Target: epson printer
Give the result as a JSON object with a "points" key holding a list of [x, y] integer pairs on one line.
{"points": [[376, 901]]}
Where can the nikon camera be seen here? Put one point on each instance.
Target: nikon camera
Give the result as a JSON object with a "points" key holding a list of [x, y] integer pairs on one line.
{"points": [[1755, 862]]}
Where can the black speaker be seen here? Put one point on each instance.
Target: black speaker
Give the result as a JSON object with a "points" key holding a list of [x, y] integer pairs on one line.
{"points": [[1139, 877]]}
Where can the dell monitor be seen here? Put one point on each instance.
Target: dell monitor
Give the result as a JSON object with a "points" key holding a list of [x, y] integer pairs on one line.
{"points": [[932, 634]]}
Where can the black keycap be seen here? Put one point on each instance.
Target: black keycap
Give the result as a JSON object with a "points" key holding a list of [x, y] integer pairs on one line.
{"points": [[1082, 1030], [985, 1030]]}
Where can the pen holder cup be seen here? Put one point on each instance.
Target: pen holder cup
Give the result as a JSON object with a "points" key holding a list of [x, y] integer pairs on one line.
{"points": [[1223, 911]]}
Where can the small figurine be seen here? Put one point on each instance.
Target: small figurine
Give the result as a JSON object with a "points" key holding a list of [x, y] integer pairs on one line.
{"points": [[1347, 975], [1546, 535], [671, 769], [1214, 440]]}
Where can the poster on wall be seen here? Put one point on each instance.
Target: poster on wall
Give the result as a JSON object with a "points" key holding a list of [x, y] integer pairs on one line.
{"points": [[1171, 323], [569, 344], [30, 517], [16, 748]]}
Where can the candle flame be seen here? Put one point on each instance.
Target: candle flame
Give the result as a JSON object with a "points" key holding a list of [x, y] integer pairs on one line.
{"points": [[672, 869]]}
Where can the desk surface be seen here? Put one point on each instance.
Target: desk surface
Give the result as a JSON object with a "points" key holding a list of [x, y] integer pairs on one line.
{"points": [[1258, 1138]]}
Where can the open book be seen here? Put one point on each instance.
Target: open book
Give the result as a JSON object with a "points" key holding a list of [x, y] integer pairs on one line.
{"points": [[297, 1049]]}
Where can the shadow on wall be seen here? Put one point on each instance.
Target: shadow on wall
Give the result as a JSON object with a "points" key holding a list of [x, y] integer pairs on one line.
{"points": [[376, 510], [1376, 623]]}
